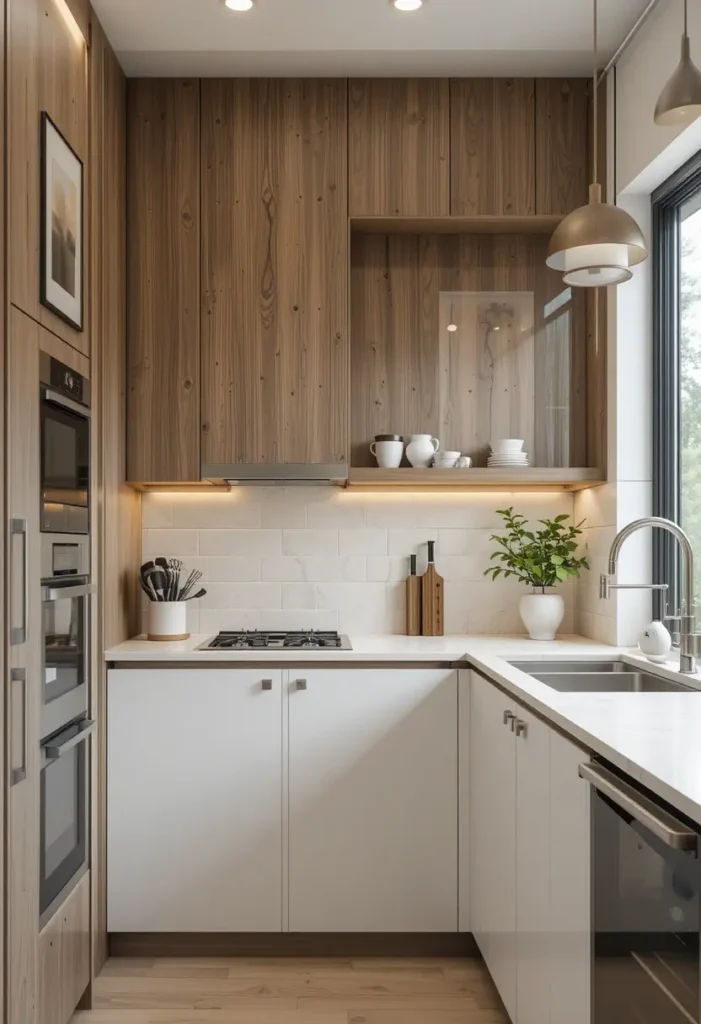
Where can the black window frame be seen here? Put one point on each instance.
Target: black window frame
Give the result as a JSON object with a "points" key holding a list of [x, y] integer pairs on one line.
{"points": [[667, 201]]}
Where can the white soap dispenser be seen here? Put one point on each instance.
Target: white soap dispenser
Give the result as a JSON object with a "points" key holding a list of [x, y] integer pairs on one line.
{"points": [[655, 642]]}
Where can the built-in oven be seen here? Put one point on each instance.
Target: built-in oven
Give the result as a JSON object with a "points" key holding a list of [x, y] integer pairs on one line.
{"points": [[65, 619], [645, 905], [65, 448], [64, 810]]}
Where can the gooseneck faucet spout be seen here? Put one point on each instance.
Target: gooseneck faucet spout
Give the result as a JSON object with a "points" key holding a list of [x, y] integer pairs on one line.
{"points": [[690, 640]]}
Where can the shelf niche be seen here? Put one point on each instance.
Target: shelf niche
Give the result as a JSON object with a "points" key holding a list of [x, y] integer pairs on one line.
{"points": [[517, 362]]}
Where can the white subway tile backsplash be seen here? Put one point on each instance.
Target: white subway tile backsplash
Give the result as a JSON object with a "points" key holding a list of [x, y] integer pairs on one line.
{"points": [[242, 595], [371, 541], [224, 569], [300, 558], [310, 542], [246, 543], [171, 543], [314, 569]]}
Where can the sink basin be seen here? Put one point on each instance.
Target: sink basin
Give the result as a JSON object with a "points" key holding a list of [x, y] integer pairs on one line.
{"points": [[608, 682], [531, 667]]}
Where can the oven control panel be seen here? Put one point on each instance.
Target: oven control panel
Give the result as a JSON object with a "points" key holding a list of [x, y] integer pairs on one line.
{"points": [[67, 381]]}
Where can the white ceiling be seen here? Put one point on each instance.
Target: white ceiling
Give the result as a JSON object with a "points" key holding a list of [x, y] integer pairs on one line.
{"points": [[361, 37]]}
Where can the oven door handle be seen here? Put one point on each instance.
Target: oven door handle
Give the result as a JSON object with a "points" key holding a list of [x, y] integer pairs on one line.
{"points": [[667, 828], [56, 398], [52, 753], [63, 593]]}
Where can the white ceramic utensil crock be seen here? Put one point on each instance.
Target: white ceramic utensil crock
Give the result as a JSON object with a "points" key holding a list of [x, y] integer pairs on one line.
{"points": [[167, 620], [542, 614], [421, 449]]}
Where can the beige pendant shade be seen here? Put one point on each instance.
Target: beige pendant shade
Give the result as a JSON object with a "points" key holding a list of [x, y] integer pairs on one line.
{"points": [[680, 100], [596, 244]]}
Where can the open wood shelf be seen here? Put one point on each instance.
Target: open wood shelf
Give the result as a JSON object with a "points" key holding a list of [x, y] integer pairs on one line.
{"points": [[533, 478], [461, 225]]}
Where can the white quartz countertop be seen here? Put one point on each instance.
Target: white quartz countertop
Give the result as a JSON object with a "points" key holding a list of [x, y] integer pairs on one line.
{"points": [[653, 737]]}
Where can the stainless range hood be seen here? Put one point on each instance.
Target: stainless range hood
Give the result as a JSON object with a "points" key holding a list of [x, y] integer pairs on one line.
{"points": [[280, 473]]}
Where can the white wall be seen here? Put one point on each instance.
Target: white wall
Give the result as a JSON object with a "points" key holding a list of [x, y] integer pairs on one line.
{"points": [[323, 558]]}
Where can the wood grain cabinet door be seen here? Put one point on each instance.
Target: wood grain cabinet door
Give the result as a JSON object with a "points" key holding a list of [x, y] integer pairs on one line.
{"points": [[399, 141], [562, 144], [163, 329], [492, 147], [274, 271]]}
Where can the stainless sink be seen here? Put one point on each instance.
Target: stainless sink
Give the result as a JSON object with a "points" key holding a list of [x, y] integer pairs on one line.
{"points": [[531, 667], [608, 682]]}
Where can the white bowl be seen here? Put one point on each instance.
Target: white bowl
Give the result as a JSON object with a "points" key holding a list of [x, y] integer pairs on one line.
{"points": [[508, 444]]}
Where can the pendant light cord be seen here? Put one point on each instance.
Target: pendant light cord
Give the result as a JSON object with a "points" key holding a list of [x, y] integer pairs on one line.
{"points": [[686, 17], [595, 98]]}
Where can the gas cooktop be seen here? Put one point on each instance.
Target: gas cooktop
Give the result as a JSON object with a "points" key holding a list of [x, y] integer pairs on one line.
{"points": [[258, 640]]}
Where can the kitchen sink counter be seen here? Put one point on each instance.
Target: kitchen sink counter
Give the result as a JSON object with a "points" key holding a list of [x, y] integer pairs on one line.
{"points": [[653, 737]]}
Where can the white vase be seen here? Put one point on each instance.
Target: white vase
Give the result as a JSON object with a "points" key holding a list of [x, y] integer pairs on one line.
{"points": [[421, 449], [542, 614]]}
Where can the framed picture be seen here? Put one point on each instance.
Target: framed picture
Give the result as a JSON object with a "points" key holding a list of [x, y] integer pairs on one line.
{"points": [[61, 226]]}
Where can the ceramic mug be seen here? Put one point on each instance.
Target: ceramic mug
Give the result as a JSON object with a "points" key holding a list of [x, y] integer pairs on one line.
{"points": [[421, 449], [388, 449]]}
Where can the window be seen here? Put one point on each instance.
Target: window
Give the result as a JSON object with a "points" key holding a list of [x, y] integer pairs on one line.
{"points": [[677, 369]]}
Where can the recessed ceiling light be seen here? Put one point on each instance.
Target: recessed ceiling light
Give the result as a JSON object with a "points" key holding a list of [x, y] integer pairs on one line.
{"points": [[239, 5], [452, 328], [408, 5]]}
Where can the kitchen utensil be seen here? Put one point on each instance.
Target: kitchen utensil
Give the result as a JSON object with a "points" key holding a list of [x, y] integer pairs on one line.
{"points": [[194, 577], [413, 601], [167, 621], [193, 597], [421, 450], [159, 582], [432, 601], [388, 450]]}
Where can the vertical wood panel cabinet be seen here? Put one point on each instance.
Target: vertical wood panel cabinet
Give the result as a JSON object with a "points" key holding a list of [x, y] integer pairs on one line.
{"points": [[372, 800], [163, 282], [561, 144], [194, 838], [399, 146], [274, 272], [529, 860], [492, 147], [24, 680]]}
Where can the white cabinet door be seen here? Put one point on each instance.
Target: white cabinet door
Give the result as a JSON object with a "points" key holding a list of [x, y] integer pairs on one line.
{"points": [[534, 965], [373, 801], [464, 685], [194, 803], [570, 900], [493, 835]]}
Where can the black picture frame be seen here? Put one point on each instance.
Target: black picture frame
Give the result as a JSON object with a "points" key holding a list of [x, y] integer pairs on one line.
{"points": [[51, 291]]}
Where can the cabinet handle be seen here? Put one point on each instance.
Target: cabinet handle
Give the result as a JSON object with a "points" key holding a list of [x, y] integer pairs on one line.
{"points": [[301, 684], [267, 684], [521, 728], [19, 675], [18, 634], [507, 717]]}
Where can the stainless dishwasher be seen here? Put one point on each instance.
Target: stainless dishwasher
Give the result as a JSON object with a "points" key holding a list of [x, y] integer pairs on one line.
{"points": [[645, 905]]}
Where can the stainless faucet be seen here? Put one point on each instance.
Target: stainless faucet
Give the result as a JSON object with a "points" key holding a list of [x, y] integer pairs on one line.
{"points": [[689, 639]]}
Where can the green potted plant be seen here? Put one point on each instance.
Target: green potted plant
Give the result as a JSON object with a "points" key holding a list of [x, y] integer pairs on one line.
{"points": [[541, 559]]}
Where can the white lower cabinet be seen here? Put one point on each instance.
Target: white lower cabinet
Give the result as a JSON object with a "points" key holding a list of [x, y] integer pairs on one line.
{"points": [[373, 769], [529, 860], [194, 802]]}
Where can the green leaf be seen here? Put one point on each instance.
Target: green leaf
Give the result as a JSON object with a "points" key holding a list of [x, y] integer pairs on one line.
{"points": [[556, 559], [562, 574]]}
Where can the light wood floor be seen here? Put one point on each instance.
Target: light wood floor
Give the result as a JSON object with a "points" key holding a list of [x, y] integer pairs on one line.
{"points": [[228, 991]]}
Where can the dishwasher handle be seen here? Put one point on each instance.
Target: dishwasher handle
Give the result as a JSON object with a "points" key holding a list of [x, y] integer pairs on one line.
{"points": [[641, 808]]}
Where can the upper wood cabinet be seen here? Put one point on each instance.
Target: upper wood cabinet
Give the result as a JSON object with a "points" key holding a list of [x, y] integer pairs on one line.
{"points": [[163, 313], [492, 147], [399, 145], [562, 144], [274, 272]]}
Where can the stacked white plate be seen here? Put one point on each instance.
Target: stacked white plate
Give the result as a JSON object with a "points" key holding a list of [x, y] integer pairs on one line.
{"points": [[507, 454]]}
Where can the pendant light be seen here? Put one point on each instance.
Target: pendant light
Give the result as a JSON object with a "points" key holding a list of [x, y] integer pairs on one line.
{"points": [[680, 100], [596, 244]]}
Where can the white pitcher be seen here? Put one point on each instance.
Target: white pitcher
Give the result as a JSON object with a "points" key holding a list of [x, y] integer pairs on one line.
{"points": [[421, 449]]}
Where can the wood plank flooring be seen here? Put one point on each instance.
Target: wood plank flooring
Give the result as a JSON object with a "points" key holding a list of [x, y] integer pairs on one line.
{"points": [[292, 991]]}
